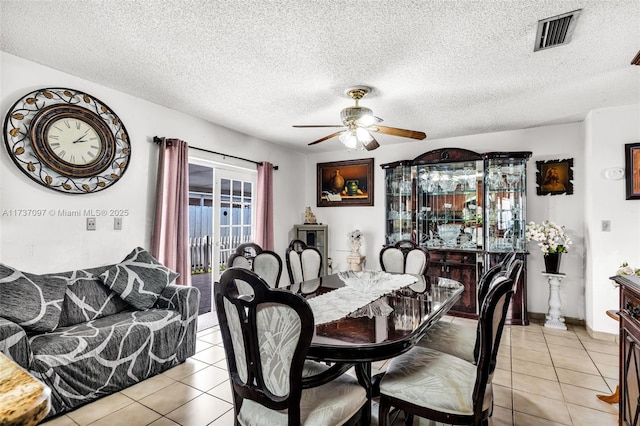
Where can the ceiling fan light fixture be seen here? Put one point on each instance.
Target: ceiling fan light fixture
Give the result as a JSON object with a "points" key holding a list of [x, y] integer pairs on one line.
{"points": [[363, 135], [349, 138]]}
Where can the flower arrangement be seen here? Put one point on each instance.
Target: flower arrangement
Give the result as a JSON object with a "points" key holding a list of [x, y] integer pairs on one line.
{"points": [[551, 237], [355, 237], [625, 269]]}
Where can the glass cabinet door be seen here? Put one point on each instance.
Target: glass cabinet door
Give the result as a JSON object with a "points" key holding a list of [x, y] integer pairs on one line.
{"points": [[449, 208], [505, 204], [400, 204]]}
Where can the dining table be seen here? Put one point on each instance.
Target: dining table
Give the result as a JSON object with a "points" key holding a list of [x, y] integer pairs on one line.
{"points": [[368, 316]]}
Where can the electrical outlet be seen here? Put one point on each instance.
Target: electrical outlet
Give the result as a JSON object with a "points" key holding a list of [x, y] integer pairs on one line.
{"points": [[91, 224], [606, 226], [117, 223]]}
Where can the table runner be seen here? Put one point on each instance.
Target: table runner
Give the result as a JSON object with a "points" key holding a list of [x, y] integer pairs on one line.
{"points": [[343, 301]]}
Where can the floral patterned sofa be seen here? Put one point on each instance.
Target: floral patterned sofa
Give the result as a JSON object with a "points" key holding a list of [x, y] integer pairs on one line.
{"points": [[89, 333]]}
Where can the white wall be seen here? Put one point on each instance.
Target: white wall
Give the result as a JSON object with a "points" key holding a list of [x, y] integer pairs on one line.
{"points": [[607, 131], [57, 243], [546, 143]]}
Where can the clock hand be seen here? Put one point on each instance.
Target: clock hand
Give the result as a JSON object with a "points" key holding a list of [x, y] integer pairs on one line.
{"points": [[79, 140]]}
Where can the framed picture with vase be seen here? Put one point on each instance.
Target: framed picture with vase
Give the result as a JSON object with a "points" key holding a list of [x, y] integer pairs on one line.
{"points": [[345, 183]]}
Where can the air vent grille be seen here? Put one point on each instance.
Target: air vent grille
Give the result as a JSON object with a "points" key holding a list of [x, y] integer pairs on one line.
{"points": [[556, 31]]}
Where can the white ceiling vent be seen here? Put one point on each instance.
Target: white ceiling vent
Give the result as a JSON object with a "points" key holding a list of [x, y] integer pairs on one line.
{"points": [[556, 31]]}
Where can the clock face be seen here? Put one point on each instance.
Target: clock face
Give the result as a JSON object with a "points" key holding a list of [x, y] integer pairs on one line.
{"points": [[67, 140], [74, 141]]}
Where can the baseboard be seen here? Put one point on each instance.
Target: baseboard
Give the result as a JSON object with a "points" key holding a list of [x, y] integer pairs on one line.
{"points": [[598, 335]]}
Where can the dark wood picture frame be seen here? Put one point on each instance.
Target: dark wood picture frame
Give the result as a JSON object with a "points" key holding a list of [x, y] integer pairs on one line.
{"points": [[345, 183], [632, 170], [555, 177]]}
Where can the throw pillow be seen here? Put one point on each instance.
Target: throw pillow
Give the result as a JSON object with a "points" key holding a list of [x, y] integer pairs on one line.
{"points": [[32, 301], [139, 278]]}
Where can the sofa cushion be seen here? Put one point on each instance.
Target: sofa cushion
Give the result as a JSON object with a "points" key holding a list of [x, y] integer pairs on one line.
{"points": [[139, 278], [87, 298], [97, 358], [32, 301]]}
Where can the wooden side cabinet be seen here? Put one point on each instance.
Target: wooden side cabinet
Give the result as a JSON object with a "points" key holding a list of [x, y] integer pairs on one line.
{"points": [[629, 404]]}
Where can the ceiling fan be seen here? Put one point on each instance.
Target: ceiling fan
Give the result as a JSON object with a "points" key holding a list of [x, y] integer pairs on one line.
{"points": [[359, 122]]}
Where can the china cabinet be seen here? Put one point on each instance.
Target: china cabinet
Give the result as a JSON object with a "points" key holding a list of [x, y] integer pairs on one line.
{"points": [[468, 209]]}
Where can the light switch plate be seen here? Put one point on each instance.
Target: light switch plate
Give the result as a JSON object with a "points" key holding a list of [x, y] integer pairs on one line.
{"points": [[91, 224]]}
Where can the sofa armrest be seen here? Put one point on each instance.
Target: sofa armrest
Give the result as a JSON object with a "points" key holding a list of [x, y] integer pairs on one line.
{"points": [[14, 343], [183, 299], [186, 301]]}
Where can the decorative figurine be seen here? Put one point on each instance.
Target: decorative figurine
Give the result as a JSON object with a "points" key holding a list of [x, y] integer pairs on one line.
{"points": [[309, 217]]}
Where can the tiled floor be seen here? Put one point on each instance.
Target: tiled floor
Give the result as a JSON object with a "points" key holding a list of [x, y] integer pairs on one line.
{"points": [[543, 377]]}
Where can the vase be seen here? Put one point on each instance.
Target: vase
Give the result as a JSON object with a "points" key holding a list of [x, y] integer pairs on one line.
{"points": [[336, 182], [552, 263]]}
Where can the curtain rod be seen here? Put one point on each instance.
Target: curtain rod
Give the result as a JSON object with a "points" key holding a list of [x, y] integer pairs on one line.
{"points": [[158, 140]]}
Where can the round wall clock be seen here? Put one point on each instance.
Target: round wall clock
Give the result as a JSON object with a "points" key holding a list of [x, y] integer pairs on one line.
{"points": [[67, 140]]}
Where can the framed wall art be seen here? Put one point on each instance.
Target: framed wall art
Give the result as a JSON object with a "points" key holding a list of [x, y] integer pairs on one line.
{"points": [[345, 183], [555, 177], [632, 170]]}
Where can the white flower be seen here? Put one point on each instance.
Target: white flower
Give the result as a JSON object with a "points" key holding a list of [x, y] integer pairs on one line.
{"points": [[625, 269], [551, 238]]}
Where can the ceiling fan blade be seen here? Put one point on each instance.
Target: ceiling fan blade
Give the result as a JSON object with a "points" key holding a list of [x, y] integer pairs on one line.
{"points": [[373, 144], [413, 134], [319, 125], [332, 135]]}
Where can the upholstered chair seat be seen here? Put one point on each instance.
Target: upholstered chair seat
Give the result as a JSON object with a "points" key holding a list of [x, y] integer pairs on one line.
{"points": [[447, 389], [331, 404], [461, 340], [435, 380]]}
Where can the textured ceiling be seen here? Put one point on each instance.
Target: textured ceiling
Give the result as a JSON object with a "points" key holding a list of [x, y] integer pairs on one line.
{"points": [[447, 68]]}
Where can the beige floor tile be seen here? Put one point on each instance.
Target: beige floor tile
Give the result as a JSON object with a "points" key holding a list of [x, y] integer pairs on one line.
{"points": [[163, 421], [225, 420], [206, 379], [584, 365], [502, 396], [587, 417], [522, 419], [503, 362], [530, 345], [567, 334], [501, 417], [202, 345], [565, 351], [210, 355], [134, 414], [63, 420], [213, 338], [222, 391], [221, 364], [502, 378], [605, 348], [527, 337], [200, 411], [98, 409], [598, 357], [185, 369], [533, 356], [576, 378], [147, 387], [539, 406], [607, 370], [170, 398], [536, 385], [564, 341], [586, 398], [533, 369]]}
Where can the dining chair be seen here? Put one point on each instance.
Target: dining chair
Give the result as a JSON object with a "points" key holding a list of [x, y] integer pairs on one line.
{"points": [[243, 255], [404, 257], [266, 338], [461, 340], [444, 388], [303, 262], [268, 266]]}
